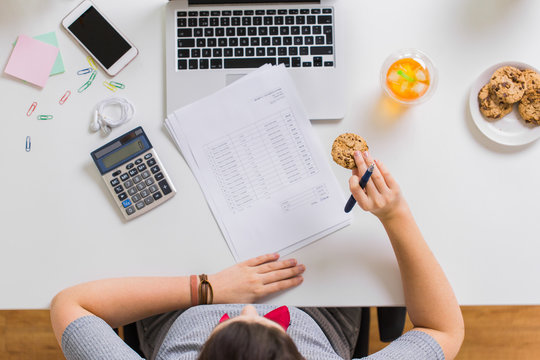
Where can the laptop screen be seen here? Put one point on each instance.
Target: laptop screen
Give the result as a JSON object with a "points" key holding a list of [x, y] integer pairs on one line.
{"points": [[195, 2]]}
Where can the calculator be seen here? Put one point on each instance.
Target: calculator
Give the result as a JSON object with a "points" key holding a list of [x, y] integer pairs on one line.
{"points": [[133, 173]]}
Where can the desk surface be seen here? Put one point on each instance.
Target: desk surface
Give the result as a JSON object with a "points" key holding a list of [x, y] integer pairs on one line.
{"points": [[475, 201]]}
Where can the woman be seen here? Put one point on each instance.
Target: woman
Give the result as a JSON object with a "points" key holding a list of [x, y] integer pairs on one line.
{"points": [[82, 316]]}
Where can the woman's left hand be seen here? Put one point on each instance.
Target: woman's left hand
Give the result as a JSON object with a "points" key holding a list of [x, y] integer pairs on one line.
{"points": [[248, 281]]}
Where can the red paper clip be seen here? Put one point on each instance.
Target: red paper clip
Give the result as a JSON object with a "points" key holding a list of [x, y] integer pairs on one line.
{"points": [[31, 109], [64, 98]]}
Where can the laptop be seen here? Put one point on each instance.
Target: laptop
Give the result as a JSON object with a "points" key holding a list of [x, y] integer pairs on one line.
{"points": [[212, 43]]}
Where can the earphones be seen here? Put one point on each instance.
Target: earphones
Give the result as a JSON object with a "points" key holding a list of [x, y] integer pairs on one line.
{"points": [[106, 123]]}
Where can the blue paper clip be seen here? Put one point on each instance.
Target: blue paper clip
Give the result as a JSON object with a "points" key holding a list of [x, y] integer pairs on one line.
{"points": [[28, 144], [85, 71]]}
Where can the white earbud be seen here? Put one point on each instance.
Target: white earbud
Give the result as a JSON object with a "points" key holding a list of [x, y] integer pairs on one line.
{"points": [[105, 123]]}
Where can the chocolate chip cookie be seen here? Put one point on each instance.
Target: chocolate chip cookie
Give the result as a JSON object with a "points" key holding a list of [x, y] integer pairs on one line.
{"points": [[532, 79], [344, 147], [529, 106], [490, 105], [508, 84]]}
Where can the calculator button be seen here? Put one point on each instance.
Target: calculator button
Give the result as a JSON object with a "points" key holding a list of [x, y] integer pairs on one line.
{"points": [[145, 193], [132, 191], [147, 156], [138, 161], [164, 187], [154, 169], [151, 162], [126, 203], [149, 181], [140, 205], [129, 166], [141, 186], [122, 196], [149, 200], [137, 179], [130, 210], [124, 177], [141, 167], [133, 172], [157, 195], [159, 176], [136, 198], [145, 174], [153, 188], [116, 173], [128, 184], [115, 182], [118, 189]]}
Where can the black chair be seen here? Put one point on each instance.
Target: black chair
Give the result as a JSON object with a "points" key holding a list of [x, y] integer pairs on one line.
{"points": [[391, 323], [132, 338]]}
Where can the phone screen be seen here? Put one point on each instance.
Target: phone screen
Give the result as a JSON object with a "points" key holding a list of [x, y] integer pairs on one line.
{"points": [[99, 37]]}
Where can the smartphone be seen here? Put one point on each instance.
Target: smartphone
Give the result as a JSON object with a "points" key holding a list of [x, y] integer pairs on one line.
{"points": [[97, 35]]}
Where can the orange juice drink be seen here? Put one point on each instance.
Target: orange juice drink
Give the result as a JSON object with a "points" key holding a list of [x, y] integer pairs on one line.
{"points": [[408, 76]]}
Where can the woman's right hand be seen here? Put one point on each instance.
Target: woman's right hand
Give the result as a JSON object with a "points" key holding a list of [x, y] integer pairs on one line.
{"points": [[253, 279], [382, 195]]}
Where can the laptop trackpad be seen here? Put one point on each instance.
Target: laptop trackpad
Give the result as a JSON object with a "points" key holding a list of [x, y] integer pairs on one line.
{"points": [[230, 78]]}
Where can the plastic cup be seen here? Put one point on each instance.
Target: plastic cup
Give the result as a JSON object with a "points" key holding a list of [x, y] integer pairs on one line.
{"points": [[408, 76]]}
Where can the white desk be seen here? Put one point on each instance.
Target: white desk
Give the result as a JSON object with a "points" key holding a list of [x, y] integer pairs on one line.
{"points": [[477, 202]]}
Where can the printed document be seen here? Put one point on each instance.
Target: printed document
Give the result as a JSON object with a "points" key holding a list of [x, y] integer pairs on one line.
{"points": [[256, 157]]}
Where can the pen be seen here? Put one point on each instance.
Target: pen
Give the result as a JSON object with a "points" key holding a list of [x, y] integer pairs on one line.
{"points": [[363, 182]]}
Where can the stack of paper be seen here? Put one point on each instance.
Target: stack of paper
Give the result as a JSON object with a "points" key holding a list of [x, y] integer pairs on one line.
{"points": [[256, 157]]}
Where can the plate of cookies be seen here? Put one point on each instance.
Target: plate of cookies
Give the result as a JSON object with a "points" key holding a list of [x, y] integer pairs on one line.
{"points": [[505, 103]]}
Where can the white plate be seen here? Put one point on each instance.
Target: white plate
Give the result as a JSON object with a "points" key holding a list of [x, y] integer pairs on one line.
{"points": [[510, 130]]}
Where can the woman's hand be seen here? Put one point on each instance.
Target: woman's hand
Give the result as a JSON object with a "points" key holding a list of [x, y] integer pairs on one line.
{"points": [[248, 281], [381, 195]]}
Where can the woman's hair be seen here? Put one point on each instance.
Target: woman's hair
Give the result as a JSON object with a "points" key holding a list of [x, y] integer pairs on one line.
{"points": [[243, 340]]}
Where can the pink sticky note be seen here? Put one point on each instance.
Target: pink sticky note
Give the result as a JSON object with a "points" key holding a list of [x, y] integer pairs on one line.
{"points": [[31, 60]]}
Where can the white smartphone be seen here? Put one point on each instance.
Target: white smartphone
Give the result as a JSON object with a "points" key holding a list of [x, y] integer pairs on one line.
{"points": [[95, 33]]}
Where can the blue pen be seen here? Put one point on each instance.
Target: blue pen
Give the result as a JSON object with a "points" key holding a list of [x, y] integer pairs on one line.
{"points": [[363, 182]]}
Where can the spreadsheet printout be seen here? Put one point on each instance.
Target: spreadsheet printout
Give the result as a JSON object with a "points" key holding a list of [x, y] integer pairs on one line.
{"points": [[258, 162]]}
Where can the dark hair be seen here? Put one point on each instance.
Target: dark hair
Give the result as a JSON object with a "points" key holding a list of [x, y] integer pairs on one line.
{"points": [[243, 340]]}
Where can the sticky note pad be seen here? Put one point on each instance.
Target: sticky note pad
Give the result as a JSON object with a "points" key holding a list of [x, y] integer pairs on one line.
{"points": [[50, 38], [31, 60]]}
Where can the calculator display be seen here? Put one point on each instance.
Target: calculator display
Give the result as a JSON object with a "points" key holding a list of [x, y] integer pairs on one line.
{"points": [[121, 150], [122, 154]]}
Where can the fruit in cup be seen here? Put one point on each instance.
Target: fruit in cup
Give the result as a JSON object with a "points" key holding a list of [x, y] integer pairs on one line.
{"points": [[407, 79]]}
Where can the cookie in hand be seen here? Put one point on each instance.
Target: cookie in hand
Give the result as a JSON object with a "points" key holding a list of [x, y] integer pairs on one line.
{"points": [[344, 147]]}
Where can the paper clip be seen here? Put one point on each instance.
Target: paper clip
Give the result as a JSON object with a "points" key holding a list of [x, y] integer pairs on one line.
{"points": [[91, 62], [109, 86], [28, 144], [64, 98], [85, 71], [117, 85], [31, 109], [84, 86], [93, 76], [44, 117]]}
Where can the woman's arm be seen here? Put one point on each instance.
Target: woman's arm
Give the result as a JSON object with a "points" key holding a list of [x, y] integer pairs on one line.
{"points": [[430, 301], [124, 300]]}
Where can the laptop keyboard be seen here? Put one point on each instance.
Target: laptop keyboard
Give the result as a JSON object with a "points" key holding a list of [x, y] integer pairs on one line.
{"points": [[236, 39]]}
